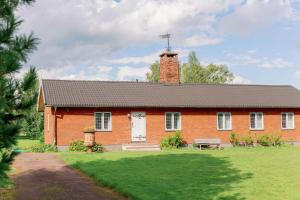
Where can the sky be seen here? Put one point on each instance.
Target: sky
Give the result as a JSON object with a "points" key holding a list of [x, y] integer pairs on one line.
{"points": [[259, 40]]}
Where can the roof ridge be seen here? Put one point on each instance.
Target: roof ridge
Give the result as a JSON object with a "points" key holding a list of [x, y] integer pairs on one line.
{"points": [[230, 84], [103, 81], [152, 83]]}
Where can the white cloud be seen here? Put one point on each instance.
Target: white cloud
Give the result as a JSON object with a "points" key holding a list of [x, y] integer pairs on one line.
{"points": [[103, 69], [276, 63], [242, 60], [131, 73], [264, 62], [201, 40], [68, 72], [255, 14], [240, 80], [81, 31], [146, 59], [297, 74], [251, 51]]}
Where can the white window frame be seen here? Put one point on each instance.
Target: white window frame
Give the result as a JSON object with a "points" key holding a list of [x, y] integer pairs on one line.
{"points": [[172, 121], [224, 129], [263, 121], [102, 120], [288, 128]]}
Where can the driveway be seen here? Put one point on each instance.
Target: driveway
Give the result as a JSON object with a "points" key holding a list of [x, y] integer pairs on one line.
{"points": [[42, 176]]}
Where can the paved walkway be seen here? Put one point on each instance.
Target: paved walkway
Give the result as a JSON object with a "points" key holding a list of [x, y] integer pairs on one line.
{"points": [[42, 176]]}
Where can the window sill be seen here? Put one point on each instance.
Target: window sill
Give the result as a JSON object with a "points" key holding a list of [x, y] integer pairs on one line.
{"points": [[288, 129], [256, 129], [224, 129], [169, 130], [103, 131]]}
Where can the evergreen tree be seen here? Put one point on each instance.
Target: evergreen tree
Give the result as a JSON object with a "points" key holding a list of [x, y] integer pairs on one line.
{"points": [[32, 125], [14, 51]]}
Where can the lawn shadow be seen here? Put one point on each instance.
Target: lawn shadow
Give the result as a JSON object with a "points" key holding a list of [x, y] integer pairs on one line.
{"points": [[168, 176]]}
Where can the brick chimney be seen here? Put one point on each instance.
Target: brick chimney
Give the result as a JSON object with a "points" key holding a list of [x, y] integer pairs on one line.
{"points": [[169, 68]]}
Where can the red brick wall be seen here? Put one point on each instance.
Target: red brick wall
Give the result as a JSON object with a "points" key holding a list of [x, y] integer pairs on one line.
{"points": [[169, 68], [196, 123], [49, 118]]}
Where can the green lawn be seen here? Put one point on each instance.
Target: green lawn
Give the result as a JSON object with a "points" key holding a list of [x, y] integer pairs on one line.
{"points": [[25, 144], [233, 174]]}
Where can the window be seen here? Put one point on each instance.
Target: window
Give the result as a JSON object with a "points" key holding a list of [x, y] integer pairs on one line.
{"points": [[256, 121], [103, 121], [224, 121], [173, 121], [287, 120]]}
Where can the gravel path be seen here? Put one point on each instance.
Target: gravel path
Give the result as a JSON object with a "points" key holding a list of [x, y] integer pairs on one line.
{"points": [[42, 176]]}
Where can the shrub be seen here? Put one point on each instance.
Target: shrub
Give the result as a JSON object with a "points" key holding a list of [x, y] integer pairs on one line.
{"points": [[77, 145], [41, 148], [270, 140], [264, 140], [247, 140], [234, 139], [173, 141], [277, 140], [98, 148]]}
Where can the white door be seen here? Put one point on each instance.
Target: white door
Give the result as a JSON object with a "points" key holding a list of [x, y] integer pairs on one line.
{"points": [[138, 126]]}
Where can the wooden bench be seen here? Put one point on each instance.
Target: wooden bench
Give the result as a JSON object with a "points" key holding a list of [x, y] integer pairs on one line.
{"points": [[208, 142]]}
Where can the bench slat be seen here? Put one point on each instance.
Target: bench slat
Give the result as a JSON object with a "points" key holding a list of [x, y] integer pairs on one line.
{"points": [[208, 141]]}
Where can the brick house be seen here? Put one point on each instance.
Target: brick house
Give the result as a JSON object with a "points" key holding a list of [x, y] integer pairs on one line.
{"points": [[129, 112]]}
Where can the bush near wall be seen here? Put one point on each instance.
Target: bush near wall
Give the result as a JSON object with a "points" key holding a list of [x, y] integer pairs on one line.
{"points": [[172, 141], [242, 140], [78, 146], [97, 148], [270, 140], [251, 139]]}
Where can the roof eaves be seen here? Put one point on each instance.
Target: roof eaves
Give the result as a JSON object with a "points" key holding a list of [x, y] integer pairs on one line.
{"points": [[172, 106]]}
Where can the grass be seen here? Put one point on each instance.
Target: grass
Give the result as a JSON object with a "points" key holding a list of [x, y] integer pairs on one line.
{"points": [[233, 174], [25, 144]]}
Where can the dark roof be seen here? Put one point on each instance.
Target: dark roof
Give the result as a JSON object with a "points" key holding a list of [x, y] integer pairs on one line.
{"points": [[66, 93]]}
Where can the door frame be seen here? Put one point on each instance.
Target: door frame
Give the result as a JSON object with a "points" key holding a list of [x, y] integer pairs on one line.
{"points": [[131, 128]]}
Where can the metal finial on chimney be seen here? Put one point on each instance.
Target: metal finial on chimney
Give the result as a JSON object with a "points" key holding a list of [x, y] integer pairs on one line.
{"points": [[168, 35]]}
